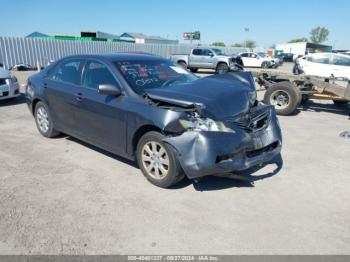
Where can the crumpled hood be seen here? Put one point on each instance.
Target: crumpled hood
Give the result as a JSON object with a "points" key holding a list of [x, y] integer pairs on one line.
{"points": [[219, 96]]}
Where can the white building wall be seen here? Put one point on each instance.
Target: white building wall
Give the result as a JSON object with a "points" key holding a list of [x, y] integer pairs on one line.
{"points": [[139, 40], [294, 48]]}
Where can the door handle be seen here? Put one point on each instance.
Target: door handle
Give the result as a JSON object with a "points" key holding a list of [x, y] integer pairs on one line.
{"points": [[78, 96]]}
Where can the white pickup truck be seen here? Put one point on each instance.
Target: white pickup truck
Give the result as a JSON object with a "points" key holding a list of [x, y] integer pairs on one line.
{"points": [[207, 58]]}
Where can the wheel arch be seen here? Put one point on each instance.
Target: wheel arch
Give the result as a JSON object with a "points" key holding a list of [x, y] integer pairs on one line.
{"points": [[182, 61], [140, 132], [220, 62], [34, 103]]}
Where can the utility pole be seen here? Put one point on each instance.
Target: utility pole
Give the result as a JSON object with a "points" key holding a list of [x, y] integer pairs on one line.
{"points": [[246, 29]]}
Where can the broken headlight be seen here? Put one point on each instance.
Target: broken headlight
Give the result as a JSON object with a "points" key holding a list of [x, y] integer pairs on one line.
{"points": [[196, 123]]}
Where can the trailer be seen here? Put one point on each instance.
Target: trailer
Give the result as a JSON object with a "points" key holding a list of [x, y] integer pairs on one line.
{"points": [[287, 91]]}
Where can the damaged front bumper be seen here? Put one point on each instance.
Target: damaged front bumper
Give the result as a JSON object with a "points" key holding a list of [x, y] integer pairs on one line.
{"points": [[208, 153]]}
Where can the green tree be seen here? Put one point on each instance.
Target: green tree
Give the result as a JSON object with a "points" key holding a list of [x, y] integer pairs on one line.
{"points": [[319, 34], [250, 44], [237, 45], [297, 40], [218, 44]]}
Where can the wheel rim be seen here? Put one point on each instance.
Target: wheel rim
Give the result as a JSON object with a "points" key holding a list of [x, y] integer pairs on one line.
{"points": [[42, 119], [280, 99], [155, 160], [222, 69]]}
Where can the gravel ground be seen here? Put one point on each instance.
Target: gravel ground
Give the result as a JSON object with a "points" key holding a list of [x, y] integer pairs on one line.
{"points": [[62, 196]]}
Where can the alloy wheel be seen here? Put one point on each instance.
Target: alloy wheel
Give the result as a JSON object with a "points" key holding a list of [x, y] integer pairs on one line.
{"points": [[155, 160], [42, 119]]}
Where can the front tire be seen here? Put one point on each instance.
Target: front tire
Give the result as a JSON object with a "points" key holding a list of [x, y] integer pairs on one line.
{"points": [[265, 65], [222, 68], [157, 161], [284, 97], [44, 120]]}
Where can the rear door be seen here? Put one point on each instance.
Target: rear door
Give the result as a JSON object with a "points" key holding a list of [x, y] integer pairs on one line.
{"points": [[61, 89], [196, 58], [101, 117]]}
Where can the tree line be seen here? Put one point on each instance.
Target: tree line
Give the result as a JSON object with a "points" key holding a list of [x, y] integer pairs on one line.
{"points": [[317, 35]]}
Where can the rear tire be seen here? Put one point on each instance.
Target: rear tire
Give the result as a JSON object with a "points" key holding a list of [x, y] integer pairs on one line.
{"points": [[222, 68], [157, 160], [284, 97], [44, 121]]}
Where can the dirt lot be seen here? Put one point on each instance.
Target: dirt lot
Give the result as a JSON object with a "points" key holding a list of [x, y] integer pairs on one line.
{"points": [[61, 196]]}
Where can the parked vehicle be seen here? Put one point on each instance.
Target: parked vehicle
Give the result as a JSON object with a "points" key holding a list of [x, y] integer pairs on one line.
{"points": [[144, 107], [288, 57], [206, 58], [9, 87], [251, 59], [23, 67], [286, 91], [275, 60], [327, 65]]}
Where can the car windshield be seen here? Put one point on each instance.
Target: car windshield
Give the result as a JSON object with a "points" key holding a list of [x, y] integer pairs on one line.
{"points": [[143, 75], [262, 54], [218, 51]]}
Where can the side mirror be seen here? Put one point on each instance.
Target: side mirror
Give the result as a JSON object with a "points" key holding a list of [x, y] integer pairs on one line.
{"points": [[211, 54], [111, 90]]}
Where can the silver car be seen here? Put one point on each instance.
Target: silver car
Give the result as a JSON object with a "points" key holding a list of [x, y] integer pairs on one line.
{"points": [[9, 87]]}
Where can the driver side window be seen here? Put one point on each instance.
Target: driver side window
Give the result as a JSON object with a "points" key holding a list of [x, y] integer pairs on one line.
{"points": [[206, 52], [97, 74]]}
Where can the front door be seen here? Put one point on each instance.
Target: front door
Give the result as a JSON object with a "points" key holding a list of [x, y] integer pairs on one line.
{"points": [[101, 117]]}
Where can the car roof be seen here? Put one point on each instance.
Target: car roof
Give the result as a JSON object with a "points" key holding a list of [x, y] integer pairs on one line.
{"points": [[131, 56]]}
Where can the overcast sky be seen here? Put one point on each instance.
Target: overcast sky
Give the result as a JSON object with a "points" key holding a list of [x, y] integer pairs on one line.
{"points": [[269, 21]]}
